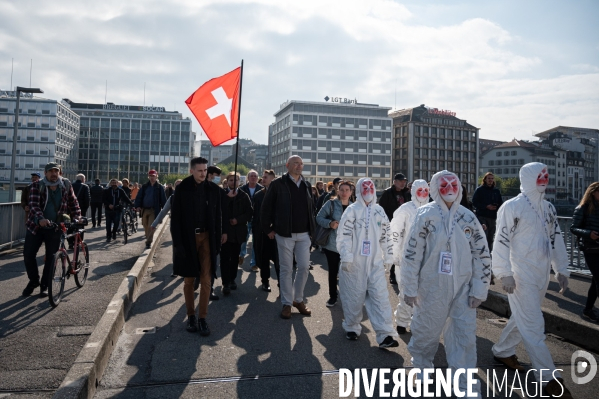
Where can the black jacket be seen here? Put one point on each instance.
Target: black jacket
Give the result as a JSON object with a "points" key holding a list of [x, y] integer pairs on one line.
{"points": [[246, 189], [240, 208], [185, 256], [97, 194], [583, 224], [389, 200], [483, 196], [276, 207], [258, 199], [107, 198], [127, 191], [83, 194]]}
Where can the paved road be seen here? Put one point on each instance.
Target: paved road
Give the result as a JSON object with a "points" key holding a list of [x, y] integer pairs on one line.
{"points": [[38, 344], [253, 353]]}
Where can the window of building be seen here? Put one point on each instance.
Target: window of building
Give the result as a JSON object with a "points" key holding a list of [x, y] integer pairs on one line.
{"points": [[498, 153]]}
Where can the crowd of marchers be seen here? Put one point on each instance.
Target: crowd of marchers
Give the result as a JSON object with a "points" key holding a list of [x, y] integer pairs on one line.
{"points": [[441, 249]]}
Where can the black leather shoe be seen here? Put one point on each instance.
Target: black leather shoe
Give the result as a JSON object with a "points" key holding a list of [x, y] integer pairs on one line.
{"points": [[192, 323], [233, 285], [43, 291], [204, 330], [389, 342], [226, 290], [30, 287], [266, 287], [214, 297], [401, 330]]}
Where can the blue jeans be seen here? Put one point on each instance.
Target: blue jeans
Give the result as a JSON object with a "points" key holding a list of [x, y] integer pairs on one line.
{"points": [[244, 249]]}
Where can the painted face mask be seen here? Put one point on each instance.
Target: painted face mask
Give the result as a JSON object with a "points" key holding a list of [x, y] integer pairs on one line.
{"points": [[368, 191], [449, 188], [422, 194], [542, 180]]}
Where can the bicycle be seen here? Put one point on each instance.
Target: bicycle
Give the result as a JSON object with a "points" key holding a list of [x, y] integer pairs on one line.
{"points": [[129, 222], [63, 267]]}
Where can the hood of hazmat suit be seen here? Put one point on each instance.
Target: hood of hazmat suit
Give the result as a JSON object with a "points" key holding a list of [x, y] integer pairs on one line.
{"points": [[365, 245], [442, 288], [403, 217], [528, 240]]}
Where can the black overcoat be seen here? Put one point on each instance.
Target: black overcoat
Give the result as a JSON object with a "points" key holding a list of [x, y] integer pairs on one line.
{"points": [[185, 260]]}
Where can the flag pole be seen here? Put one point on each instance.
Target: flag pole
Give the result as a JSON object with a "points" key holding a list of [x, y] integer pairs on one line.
{"points": [[238, 124]]}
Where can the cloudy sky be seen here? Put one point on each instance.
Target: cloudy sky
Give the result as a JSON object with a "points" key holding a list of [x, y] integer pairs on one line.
{"points": [[509, 67]]}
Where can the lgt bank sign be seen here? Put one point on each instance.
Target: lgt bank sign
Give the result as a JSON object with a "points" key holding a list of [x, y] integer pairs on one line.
{"points": [[341, 100]]}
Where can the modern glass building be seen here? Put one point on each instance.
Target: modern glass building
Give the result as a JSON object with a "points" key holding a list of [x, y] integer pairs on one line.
{"points": [[117, 141], [48, 131], [348, 140]]}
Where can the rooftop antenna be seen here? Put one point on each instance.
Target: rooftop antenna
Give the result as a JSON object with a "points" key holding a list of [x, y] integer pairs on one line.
{"points": [[11, 71], [395, 107], [30, 69], [144, 94]]}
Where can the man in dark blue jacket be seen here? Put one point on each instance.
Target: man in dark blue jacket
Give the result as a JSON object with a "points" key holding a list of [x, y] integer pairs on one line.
{"points": [[150, 199], [251, 188], [487, 200]]}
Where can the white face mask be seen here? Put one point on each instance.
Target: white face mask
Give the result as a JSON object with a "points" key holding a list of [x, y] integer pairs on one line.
{"points": [[368, 191], [542, 180], [216, 180], [449, 188]]}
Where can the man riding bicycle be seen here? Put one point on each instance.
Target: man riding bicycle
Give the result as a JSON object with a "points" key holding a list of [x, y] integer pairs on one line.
{"points": [[50, 200], [113, 198]]}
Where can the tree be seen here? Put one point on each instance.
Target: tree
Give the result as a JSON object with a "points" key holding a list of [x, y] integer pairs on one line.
{"points": [[507, 186], [226, 168], [172, 178]]}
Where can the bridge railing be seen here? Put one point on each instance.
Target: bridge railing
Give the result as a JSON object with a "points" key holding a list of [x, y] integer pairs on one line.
{"points": [[575, 256], [12, 224]]}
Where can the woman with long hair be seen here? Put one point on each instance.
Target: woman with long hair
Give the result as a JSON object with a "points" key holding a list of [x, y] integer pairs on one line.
{"points": [[585, 225], [329, 217]]}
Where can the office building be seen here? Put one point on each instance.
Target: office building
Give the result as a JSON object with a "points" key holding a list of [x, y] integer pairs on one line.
{"points": [[118, 141], [48, 132], [427, 140], [349, 140]]}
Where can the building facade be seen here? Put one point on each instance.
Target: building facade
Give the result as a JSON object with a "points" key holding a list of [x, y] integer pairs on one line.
{"points": [[118, 141], [577, 139], [47, 132], [427, 140], [348, 140]]}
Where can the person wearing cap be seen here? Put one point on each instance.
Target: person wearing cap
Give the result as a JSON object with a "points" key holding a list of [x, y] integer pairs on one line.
{"points": [[35, 176], [50, 200], [150, 199], [392, 198]]}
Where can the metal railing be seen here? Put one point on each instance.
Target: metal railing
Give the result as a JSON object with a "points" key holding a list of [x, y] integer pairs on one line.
{"points": [[12, 222], [575, 256]]}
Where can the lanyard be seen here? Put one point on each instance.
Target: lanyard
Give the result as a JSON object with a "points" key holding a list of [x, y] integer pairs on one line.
{"points": [[369, 207], [450, 233], [543, 221]]}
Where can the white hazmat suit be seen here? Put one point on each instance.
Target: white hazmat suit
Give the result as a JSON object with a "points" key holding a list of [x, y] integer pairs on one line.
{"points": [[403, 217], [446, 292], [365, 229], [527, 244]]}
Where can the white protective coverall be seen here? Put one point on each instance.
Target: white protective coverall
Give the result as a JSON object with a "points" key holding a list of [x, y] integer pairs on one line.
{"points": [[442, 303], [403, 217], [362, 278], [527, 244]]}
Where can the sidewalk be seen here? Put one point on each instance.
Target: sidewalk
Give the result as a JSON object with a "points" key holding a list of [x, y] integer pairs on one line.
{"points": [[562, 312]]}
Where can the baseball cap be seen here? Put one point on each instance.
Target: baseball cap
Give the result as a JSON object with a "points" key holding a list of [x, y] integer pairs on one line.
{"points": [[399, 176], [337, 180], [36, 174], [152, 172], [50, 166]]}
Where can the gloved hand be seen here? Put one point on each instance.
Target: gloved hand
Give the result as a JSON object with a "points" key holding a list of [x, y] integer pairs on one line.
{"points": [[179, 252], [409, 300], [346, 266], [509, 284], [474, 302], [563, 282]]}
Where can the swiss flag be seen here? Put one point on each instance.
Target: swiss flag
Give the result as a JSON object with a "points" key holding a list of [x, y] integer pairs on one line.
{"points": [[215, 105]]}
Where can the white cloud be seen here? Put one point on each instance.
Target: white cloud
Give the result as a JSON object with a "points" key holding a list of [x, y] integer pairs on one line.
{"points": [[292, 50]]}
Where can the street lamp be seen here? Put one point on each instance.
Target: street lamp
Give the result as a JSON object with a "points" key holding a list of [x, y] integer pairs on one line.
{"points": [[18, 91]]}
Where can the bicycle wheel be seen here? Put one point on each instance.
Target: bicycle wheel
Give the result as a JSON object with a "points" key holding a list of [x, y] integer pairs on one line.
{"points": [[82, 263], [124, 228], [57, 279]]}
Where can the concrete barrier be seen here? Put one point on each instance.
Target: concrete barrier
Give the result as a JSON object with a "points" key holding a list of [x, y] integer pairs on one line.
{"points": [[83, 377]]}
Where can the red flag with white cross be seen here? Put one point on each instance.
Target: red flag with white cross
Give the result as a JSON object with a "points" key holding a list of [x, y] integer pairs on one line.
{"points": [[216, 106]]}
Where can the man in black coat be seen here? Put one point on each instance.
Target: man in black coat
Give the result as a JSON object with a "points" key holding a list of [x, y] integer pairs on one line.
{"points": [[240, 212], [487, 200], [113, 198], [198, 232], [97, 193], [82, 192], [264, 247], [392, 198]]}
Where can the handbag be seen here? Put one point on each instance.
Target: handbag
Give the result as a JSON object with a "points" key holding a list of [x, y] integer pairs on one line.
{"points": [[321, 235]]}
